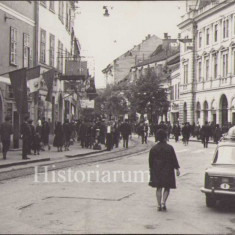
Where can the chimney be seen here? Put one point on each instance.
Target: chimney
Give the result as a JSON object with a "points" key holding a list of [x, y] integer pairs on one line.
{"points": [[165, 35], [179, 35]]}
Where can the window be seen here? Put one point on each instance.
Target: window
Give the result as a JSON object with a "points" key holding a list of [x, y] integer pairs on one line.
{"points": [[52, 50], [225, 65], [200, 40], [234, 62], [10, 92], [10, 111], [60, 56], [199, 71], [61, 11], [13, 45], [67, 16], [215, 65], [186, 74], [215, 33], [207, 69], [52, 6], [207, 36], [176, 89], [172, 92], [43, 47], [26, 51], [234, 25], [70, 25], [225, 28]]}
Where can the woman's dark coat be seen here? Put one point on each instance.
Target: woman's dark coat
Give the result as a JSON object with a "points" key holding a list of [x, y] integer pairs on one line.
{"points": [[162, 162], [59, 136]]}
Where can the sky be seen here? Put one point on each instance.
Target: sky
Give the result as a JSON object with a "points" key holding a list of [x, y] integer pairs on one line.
{"points": [[103, 39]]}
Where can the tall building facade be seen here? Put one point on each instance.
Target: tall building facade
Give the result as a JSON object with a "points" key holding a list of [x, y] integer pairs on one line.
{"points": [[56, 44], [17, 49], [207, 63]]}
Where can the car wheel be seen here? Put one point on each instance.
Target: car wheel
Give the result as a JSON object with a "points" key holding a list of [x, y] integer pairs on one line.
{"points": [[210, 201]]}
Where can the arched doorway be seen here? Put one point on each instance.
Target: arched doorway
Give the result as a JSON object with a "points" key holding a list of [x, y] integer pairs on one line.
{"points": [[185, 113], [198, 111], [224, 109], [205, 110]]}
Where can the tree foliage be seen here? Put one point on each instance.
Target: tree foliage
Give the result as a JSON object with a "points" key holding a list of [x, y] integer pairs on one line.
{"points": [[149, 96], [111, 103]]}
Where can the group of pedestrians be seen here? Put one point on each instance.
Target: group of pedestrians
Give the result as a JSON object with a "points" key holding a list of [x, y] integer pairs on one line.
{"points": [[109, 133], [206, 132]]}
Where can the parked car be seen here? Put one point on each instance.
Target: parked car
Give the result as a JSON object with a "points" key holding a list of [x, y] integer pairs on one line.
{"points": [[220, 176]]}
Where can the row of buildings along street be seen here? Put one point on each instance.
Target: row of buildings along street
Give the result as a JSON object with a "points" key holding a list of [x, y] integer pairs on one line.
{"points": [[42, 73], [197, 68]]}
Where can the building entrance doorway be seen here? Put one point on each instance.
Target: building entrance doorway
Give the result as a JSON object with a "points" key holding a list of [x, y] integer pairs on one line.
{"points": [[224, 110]]}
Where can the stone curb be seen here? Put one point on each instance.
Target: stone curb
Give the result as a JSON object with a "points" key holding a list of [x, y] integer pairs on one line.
{"points": [[23, 162]]}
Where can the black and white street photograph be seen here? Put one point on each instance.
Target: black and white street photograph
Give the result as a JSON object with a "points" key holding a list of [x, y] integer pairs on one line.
{"points": [[117, 117]]}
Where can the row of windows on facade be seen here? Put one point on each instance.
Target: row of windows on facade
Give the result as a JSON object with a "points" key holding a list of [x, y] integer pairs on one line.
{"points": [[61, 7], [61, 53], [27, 51], [225, 27], [225, 66]]}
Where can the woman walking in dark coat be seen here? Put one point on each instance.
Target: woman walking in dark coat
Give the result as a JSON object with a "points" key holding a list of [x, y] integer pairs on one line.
{"points": [[162, 162], [59, 137]]}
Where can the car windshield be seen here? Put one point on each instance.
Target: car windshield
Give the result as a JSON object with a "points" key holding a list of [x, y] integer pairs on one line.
{"points": [[225, 155]]}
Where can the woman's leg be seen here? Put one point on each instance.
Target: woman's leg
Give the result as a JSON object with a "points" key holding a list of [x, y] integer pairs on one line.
{"points": [[159, 196], [166, 193]]}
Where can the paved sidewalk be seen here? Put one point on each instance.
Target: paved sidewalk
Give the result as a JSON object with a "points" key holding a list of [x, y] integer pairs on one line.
{"points": [[14, 158]]}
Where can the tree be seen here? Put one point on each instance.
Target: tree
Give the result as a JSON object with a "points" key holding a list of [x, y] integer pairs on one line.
{"points": [[148, 96], [111, 103]]}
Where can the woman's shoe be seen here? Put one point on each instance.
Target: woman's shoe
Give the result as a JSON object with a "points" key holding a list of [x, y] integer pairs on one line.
{"points": [[159, 208], [163, 207]]}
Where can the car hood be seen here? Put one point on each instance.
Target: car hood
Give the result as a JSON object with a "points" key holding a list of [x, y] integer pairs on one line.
{"points": [[221, 170]]}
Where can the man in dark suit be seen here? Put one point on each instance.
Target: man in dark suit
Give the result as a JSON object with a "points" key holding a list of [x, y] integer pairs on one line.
{"points": [[6, 131], [205, 134], [25, 135], [125, 132]]}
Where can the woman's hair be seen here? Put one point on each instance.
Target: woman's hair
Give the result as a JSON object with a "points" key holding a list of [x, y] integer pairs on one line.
{"points": [[161, 135]]}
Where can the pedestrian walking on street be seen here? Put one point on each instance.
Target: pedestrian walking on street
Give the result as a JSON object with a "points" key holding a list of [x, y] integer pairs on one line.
{"points": [[176, 131], [59, 137], [125, 132], [67, 134], [144, 132], [205, 134], [109, 136], [36, 142], [6, 130], [186, 133], [45, 131], [25, 135], [32, 133], [217, 133], [83, 133], [162, 164], [116, 134]]}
